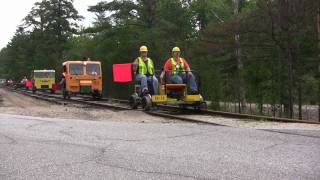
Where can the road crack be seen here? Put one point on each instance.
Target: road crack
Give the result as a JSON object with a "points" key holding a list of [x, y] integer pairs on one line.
{"points": [[11, 140], [149, 139], [151, 172]]}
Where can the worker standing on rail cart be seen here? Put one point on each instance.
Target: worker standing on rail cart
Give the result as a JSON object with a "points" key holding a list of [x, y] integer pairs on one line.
{"points": [[143, 69], [178, 71]]}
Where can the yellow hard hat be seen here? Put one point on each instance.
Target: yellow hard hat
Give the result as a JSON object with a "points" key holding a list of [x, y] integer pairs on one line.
{"points": [[143, 49], [176, 49]]}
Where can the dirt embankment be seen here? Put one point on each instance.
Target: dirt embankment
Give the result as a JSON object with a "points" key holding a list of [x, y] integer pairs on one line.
{"points": [[13, 103]]}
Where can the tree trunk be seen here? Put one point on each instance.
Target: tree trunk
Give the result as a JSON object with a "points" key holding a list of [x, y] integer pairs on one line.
{"points": [[299, 79], [151, 7], [290, 80], [60, 39], [241, 89], [273, 98], [318, 27], [300, 98], [288, 52]]}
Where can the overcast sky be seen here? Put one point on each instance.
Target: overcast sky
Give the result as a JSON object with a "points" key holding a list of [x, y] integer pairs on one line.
{"points": [[13, 11]]}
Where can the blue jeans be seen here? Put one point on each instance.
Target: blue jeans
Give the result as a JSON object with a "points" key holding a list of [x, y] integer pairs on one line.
{"points": [[185, 78], [145, 80]]}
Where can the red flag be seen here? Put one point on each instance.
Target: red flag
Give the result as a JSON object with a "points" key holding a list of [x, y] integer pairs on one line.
{"points": [[122, 72], [28, 84]]}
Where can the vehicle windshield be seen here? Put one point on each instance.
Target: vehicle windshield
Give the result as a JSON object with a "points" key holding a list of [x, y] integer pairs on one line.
{"points": [[93, 69], [44, 74], [76, 69]]}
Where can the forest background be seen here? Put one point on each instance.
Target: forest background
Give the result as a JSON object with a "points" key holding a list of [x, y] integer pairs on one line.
{"points": [[245, 52]]}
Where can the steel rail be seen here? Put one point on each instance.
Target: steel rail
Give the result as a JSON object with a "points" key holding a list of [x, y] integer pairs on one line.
{"points": [[242, 116]]}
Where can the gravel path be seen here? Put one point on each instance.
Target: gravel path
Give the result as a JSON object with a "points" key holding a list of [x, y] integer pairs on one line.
{"points": [[13, 103]]}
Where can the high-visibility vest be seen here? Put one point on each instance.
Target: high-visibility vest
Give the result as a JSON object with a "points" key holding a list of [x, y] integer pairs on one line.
{"points": [[143, 68], [177, 67]]}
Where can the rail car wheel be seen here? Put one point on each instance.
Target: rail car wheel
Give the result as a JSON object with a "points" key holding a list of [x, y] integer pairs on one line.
{"points": [[182, 106], [203, 103], [134, 101], [200, 106], [196, 106], [146, 102], [34, 90]]}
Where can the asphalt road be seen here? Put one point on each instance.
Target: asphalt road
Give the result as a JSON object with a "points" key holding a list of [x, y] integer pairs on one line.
{"points": [[39, 148]]}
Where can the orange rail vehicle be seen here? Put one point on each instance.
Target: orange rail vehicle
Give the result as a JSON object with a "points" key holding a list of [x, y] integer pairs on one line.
{"points": [[82, 77]]}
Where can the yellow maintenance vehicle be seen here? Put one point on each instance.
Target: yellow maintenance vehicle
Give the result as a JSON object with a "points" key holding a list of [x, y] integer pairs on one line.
{"points": [[43, 80]]}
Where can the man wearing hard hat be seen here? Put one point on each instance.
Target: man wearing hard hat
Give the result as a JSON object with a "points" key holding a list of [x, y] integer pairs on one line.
{"points": [[143, 68], [178, 71]]}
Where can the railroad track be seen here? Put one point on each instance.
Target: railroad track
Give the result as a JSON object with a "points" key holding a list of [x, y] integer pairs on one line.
{"points": [[110, 103], [225, 114], [171, 112]]}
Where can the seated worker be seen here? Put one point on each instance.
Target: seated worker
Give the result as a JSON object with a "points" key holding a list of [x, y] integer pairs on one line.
{"points": [[143, 69], [178, 71]]}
